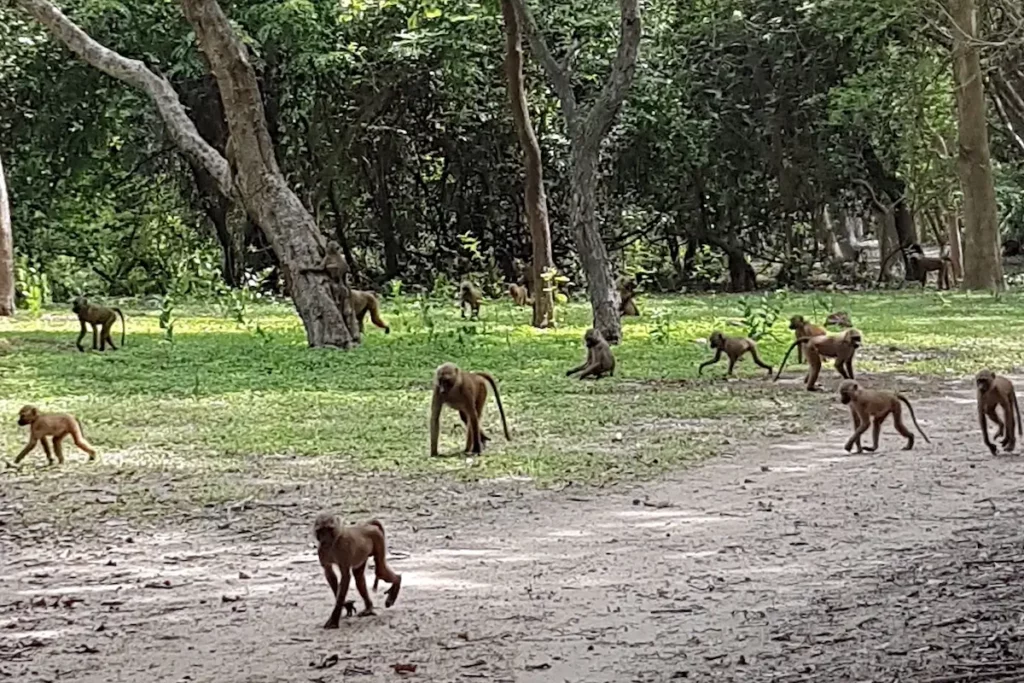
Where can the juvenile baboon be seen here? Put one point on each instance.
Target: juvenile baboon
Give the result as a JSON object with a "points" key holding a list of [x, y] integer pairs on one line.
{"points": [[942, 266], [519, 294], [334, 263], [734, 348], [996, 391], [364, 302], [803, 328], [870, 408], [56, 426], [600, 360], [348, 548], [840, 346], [100, 317], [466, 392], [470, 297], [627, 296]]}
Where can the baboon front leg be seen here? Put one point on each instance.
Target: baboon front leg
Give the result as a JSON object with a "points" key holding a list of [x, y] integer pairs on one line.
{"points": [[339, 603], [841, 368], [81, 336], [857, 434]]}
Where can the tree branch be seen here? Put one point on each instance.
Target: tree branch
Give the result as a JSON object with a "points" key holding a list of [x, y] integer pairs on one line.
{"points": [[599, 121], [874, 197], [133, 72], [558, 76]]}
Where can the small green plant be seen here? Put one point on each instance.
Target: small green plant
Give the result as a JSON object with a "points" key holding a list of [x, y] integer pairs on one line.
{"points": [[760, 313], [661, 328], [33, 287], [822, 304]]}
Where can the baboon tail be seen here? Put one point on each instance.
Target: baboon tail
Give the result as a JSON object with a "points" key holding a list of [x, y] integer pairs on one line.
{"points": [[375, 316], [792, 346], [118, 311], [497, 397], [912, 416]]}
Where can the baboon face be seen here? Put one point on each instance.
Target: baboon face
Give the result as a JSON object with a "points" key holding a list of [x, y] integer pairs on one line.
{"points": [[984, 380], [79, 305], [796, 322], [447, 376], [592, 337], [27, 415], [846, 391], [717, 339], [853, 336]]}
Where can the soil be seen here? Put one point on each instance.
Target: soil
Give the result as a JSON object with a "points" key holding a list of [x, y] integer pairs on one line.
{"points": [[787, 560]]}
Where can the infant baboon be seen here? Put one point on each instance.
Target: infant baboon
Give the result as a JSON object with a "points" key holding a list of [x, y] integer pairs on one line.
{"points": [[56, 426], [996, 391], [600, 360], [470, 297], [734, 348]]}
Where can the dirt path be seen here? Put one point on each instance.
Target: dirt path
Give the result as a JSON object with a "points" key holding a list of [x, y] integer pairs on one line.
{"points": [[790, 562]]}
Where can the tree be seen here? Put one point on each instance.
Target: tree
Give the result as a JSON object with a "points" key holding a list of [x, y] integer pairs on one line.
{"points": [[983, 266], [586, 133], [250, 173], [536, 200], [6, 250]]}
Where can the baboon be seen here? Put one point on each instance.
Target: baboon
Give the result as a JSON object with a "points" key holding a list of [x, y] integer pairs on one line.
{"points": [[870, 408], [101, 318], [348, 548], [839, 319], [627, 296], [803, 328], [364, 302], [840, 346], [733, 347], [996, 391], [600, 360], [470, 297], [53, 426], [334, 263], [943, 267], [466, 392], [1011, 248], [519, 294]]}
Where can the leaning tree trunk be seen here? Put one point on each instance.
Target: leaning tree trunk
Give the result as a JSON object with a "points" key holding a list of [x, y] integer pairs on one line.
{"points": [[250, 173], [983, 265], [953, 239], [586, 133], [6, 250], [536, 200]]}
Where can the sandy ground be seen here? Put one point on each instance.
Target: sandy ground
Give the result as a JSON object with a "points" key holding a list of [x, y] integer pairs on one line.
{"points": [[776, 561]]}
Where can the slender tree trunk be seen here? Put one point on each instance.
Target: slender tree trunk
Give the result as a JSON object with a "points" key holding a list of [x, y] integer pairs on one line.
{"points": [[953, 239], [586, 133], [741, 274], [340, 228], [983, 265], [885, 223], [536, 200], [6, 250], [249, 173]]}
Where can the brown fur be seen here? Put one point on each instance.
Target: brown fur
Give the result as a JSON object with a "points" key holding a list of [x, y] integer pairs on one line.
{"points": [[334, 263], [996, 391], [364, 302], [943, 268], [599, 362], [470, 297], [348, 548], [734, 348], [839, 319], [840, 346], [870, 408], [55, 426], [100, 317], [466, 392], [803, 328], [520, 295], [627, 296]]}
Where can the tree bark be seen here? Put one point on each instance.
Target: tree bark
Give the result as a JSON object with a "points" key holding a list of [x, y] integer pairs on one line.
{"points": [[6, 250], [535, 200], [983, 265], [586, 135], [885, 227], [252, 174], [953, 239], [741, 274]]}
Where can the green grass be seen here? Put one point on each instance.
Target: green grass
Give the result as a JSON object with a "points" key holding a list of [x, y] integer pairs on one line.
{"points": [[223, 393]]}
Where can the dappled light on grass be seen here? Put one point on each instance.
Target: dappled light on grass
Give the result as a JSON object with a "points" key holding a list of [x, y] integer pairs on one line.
{"points": [[223, 393]]}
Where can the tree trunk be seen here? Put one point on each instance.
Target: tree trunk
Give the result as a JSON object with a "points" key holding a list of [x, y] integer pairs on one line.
{"points": [[983, 265], [953, 239], [586, 135], [340, 231], [250, 172], [536, 200], [885, 224], [741, 274], [6, 250], [844, 231]]}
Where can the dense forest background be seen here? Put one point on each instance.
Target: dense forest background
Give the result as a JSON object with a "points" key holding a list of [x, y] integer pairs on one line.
{"points": [[783, 135]]}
